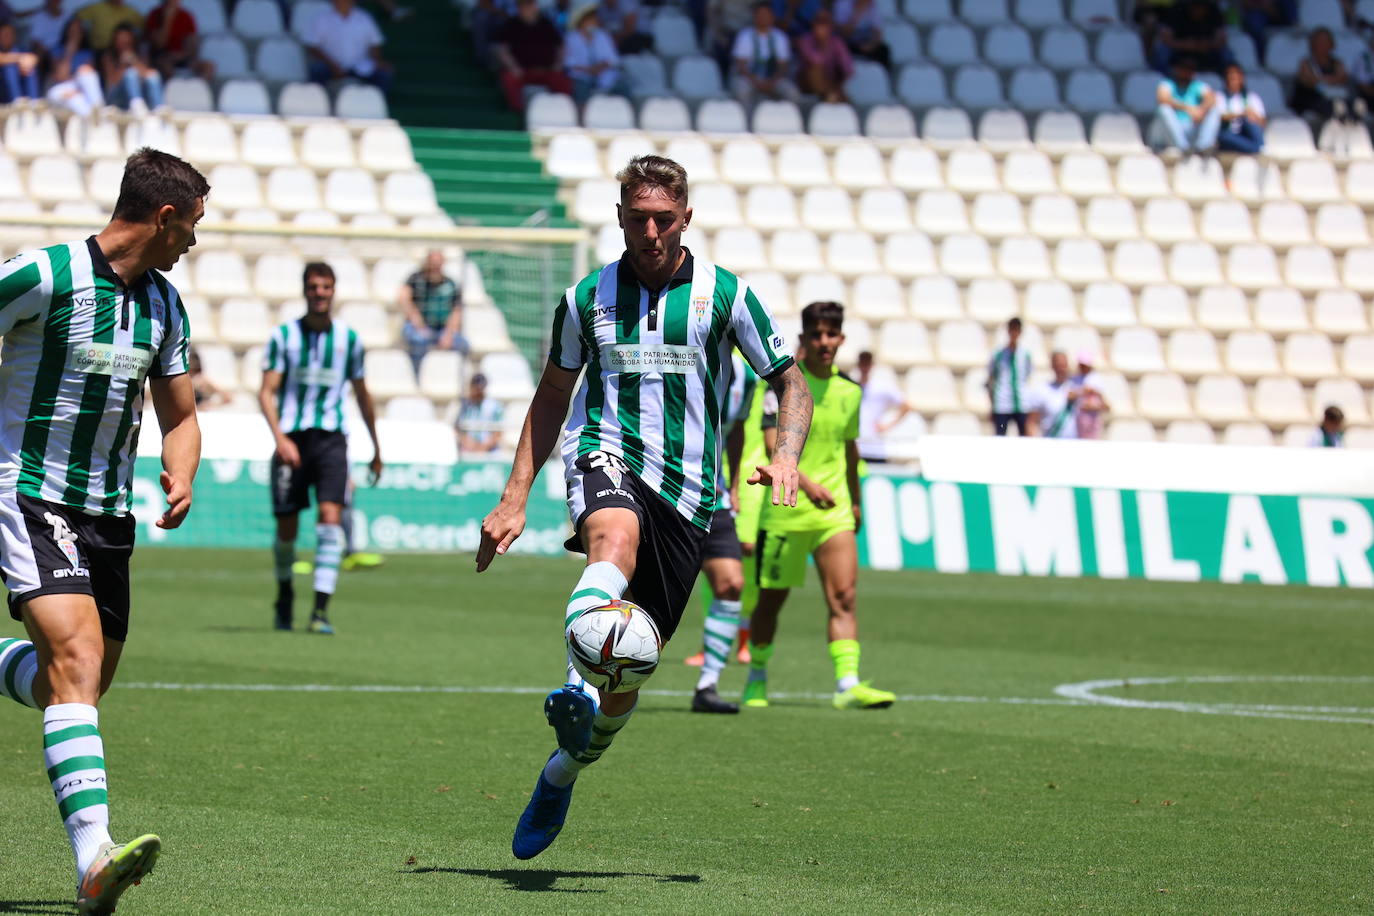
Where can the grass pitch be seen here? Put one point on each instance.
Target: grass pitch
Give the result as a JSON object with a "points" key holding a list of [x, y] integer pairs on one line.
{"points": [[983, 791]]}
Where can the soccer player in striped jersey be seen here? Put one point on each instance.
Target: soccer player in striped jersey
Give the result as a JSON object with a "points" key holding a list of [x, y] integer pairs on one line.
{"points": [[84, 325], [1009, 373], [1052, 402], [306, 370], [641, 447], [824, 526]]}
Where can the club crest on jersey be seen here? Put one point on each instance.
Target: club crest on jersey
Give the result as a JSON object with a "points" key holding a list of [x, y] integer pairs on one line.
{"points": [[777, 341], [65, 539], [700, 304]]}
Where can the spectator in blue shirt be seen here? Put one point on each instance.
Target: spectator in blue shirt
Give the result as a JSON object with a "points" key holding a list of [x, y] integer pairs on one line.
{"points": [[1188, 117]]}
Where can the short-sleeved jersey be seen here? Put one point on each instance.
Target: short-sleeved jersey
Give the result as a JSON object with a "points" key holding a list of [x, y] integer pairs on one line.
{"points": [[824, 459], [1009, 374], [739, 400], [316, 368], [658, 372], [78, 345]]}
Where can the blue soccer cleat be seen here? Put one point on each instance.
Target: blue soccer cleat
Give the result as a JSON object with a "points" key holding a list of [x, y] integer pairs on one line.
{"points": [[542, 818], [570, 711]]}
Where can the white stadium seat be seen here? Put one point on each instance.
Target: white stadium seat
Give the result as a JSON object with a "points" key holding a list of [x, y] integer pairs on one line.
{"points": [[228, 55], [1223, 308], [991, 301], [931, 389], [351, 191], [1168, 220], [1308, 357], [997, 214], [1164, 306], [908, 254], [1344, 393], [1054, 216], [1027, 173], [1003, 130], [803, 164], [665, 115], [1085, 175], [550, 111], [244, 97], [746, 162], [278, 60], [409, 194], [390, 374], [1136, 350], [833, 120], [795, 251], [769, 207], [1252, 266], [962, 344], [1310, 268], [302, 100], [188, 94], [860, 165], [889, 122], [1221, 399], [1049, 304], [292, 190], [1058, 132], [1023, 259], [935, 299], [878, 297], [1109, 306], [1226, 222], [267, 143], [714, 206], [776, 117], [941, 213], [1162, 397], [721, 116], [1192, 352], [1341, 226], [608, 112], [1280, 400], [971, 171], [947, 128], [1280, 310], [1339, 313], [696, 78], [1137, 262], [1251, 354], [1081, 262]]}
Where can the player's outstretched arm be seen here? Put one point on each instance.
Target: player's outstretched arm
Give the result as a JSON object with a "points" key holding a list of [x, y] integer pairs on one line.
{"points": [[537, 437], [174, 400], [794, 422]]}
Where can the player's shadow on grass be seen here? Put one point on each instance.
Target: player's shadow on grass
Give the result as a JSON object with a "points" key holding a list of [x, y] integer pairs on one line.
{"points": [[520, 879], [37, 906]]}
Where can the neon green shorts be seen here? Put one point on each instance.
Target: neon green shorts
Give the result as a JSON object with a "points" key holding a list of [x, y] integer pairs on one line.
{"points": [[749, 511], [782, 554]]}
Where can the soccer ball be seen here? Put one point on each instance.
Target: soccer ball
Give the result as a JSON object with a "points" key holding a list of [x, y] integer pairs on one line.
{"points": [[615, 647]]}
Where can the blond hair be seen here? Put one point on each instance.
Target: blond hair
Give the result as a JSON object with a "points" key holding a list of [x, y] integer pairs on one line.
{"points": [[654, 172]]}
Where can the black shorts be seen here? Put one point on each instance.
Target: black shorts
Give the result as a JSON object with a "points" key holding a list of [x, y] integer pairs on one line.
{"points": [[722, 543], [1000, 422], [50, 549], [324, 465], [670, 546]]}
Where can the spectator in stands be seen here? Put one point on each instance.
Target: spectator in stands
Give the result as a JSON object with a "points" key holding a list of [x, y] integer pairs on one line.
{"points": [[344, 41], [530, 50], [1331, 433], [762, 57], [486, 20], [727, 19], [18, 68], [1322, 90], [207, 393], [1188, 117], [860, 24], [1362, 70], [1242, 115], [622, 19], [102, 18], [825, 60], [46, 28], [74, 81], [432, 304], [479, 419], [1092, 404], [794, 16], [1196, 29], [174, 42], [131, 82], [1053, 402], [881, 407], [1008, 384], [1258, 17], [592, 60]]}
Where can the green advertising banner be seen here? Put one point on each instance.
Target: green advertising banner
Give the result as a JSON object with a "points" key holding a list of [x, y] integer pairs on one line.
{"points": [[909, 523]]}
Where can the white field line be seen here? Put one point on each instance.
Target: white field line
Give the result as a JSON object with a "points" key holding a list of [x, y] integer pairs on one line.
{"points": [[1086, 692], [513, 690]]}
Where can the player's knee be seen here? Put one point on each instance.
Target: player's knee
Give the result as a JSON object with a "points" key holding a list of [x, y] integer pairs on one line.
{"points": [[615, 544], [842, 600], [75, 666], [730, 588]]}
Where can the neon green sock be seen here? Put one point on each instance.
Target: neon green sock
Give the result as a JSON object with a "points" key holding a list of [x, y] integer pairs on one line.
{"points": [[758, 660], [845, 654]]}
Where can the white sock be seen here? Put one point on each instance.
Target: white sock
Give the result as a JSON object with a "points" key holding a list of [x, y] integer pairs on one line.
{"points": [[75, 757], [329, 541], [722, 624], [18, 668], [601, 583], [283, 558]]}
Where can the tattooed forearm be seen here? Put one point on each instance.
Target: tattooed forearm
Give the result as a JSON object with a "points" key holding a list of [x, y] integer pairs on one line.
{"points": [[794, 415]]}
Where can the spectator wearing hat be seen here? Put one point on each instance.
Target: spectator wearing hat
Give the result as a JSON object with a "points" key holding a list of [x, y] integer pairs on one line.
{"points": [[479, 419], [530, 50], [591, 58], [1331, 433], [1091, 404]]}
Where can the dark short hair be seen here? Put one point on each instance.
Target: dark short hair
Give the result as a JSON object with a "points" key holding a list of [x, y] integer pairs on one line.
{"points": [[817, 312], [655, 172], [317, 269], [1014, 324], [152, 180], [479, 379], [1333, 414]]}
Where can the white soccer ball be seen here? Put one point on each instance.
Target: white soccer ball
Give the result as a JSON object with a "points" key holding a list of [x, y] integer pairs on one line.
{"points": [[614, 647]]}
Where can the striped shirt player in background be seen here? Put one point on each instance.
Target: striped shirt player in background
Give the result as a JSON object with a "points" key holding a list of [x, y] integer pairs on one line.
{"points": [[1053, 403], [722, 557], [307, 367], [1009, 373], [84, 325], [641, 448]]}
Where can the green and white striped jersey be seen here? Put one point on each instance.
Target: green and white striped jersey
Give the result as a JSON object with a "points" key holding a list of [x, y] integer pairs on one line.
{"points": [[739, 398], [316, 367], [1009, 374], [78, 345], [658, 371]]}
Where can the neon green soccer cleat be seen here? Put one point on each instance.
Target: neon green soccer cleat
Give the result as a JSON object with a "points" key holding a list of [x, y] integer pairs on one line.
{"points": [[302, 567], [862, 696], [755, 694], [362, 561], [114, 871]]}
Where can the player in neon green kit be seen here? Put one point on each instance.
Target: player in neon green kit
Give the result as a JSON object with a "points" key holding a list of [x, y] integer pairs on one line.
{"points": [[824, 525]]}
